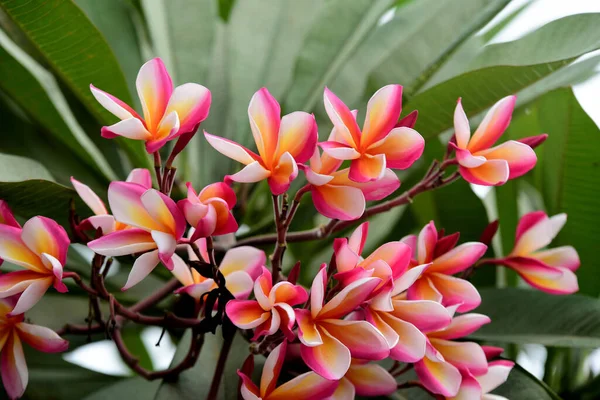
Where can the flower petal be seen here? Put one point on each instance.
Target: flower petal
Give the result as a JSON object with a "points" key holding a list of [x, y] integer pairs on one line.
{"points": [[284, 173], [426, 315], [317, 291], [115, 106], [462, 130], [426, 242], [563, 256], [402, 147], [403, 282], [376, 318], [243, 258], [30, 296], [248, 389], [438, 376], [349, 298], [285, 292], [142, 267], [383, 111], [272, 369], [493, 125], [167, 245], [372, 190], [13, 367], [553, 280], [154, 87], [42, 338], [231, 149], [469, 388], [360, 337], [491, 173], [458, 259], [367, 168], [192, 103], [246, 314], [339, 151], [339, 202], [264, 114], [461, 326], [527, 221], [395, 254], [411, 346], [520, 157], [456, 291], [342, 119], [539, 235], [468, 160], [131, 128], [253, 172], [345, 390], [90, 198], [164, 211], [120, 243], [497, 374], [371, 380], [141, 176], [127, 207], [182, 272], [309, 386], [43, 235], [331, 359], [12, 249], [423, 289], [307, 330], [298, 136], [463, 355], [219, 190]]}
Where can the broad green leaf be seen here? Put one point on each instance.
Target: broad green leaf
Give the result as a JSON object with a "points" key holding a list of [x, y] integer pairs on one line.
{"points": [[38, 94], [62, 33], [336, 33], [134, 343], [133, 388], [15, 169], [531, 316]]}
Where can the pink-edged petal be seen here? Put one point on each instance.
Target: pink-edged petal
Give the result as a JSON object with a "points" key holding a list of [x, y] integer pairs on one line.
{"points": [[90, 198], [30, 296], [198, 289], [339, 202], [43, 235], [120, 243], [438, 376], [395, 254], [402, 147], [360, 337], [314, 178], [411, 346], [347, 256], [520, 157], [459, 258], [285, 292], [127, 207], [331, 359], [411, 241], [6, 215], [456, 291], [167, 245], [42, 338], [106, 223], [264, 114], [539, 235], [115, 106], [371, 380], [376, 319], [283, 174], [527, 221], [403, 282], [372, 190], [463, 355], [12, 249], [342, 118], [383, 111], [154, 87], [192, 103], [248, 389], [426, 242], [287, 318], [240, 284], [202, 217], [13, 367], [268, 327], [220, 190], [57, 270], [493, 125], [563, 256], [246, 314], [131, 128], [164, 211], [553, 280], [308, 333], [497, 374], [298, 136], [339, 151], [141, 176], [230, 149], [182, 271], [262, 289], [345, 390], [349, 298], [357, 240], [426, 315], [142, 267], [469, 389], [243, 258], [466, 159], [423, 289], [461, 326], [317, 291], [309, 386], [15, 282], [367, 168], [462, 130], [491, 173], [492, 352], [272, 369], [253, 172], [167, 129]]}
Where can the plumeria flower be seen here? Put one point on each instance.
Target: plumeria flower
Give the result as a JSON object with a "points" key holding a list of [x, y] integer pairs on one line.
{"points": [[479, 387], [364, 379], [550, 270], [479, 162], [437, 282], [282, 143], [41, 248], [308, 386], [7, 218], [168, 113], [156, 223], [380, 144], [209, 212], [328, 342], [440, 369], [240, 267], [101, 218], [13, 332], [272, 310]]}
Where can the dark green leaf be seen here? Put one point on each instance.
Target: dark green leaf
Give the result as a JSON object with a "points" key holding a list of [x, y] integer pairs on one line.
{"points": [[134, 388]]}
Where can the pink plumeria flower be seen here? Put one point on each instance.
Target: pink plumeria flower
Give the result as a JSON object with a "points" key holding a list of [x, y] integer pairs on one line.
{"points": [[168, 113], [380, 144], [101, 218], [272, 310], [364, 379], [437, 282], [479, 162], [13, 332], [240, 267], [551, 270], [308, 386], [282, 143], [479, 387], [7, 218], [440, 369], [156, 223], [209, 212], [41, 248], [328, 342]]}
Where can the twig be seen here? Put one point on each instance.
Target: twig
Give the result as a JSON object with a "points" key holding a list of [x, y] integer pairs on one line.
{"points": [[216, 381], [157, 168]]}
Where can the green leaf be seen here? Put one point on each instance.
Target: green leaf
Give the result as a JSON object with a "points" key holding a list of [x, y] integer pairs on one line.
{"points": [[337, 31], [15, 169], [37, 93], [530, 316], [134, 388], [62, 33], [134, 343]]}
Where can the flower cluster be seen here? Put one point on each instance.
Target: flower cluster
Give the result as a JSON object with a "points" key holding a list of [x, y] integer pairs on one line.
{"points": [[409, 300]]}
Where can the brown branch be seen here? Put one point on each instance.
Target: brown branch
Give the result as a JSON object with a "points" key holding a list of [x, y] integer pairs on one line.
{"points": [[220, 368], [157, 168]]}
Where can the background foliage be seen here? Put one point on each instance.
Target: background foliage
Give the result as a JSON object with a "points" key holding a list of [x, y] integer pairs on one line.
{"points": [[50, 51]]}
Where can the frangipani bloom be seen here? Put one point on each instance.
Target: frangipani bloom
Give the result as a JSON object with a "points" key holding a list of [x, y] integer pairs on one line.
{"points": [[272, 310], [328, 342], [308, 386], [13, 331], [479, 387], [40, 247], [168, 113], [380, 144], [440, 369], [101, 218], [240, 267], [551, 270], [364, 379], [156, 223], [209, 212], [282, 143], [437, 282], [479, 162], [7, 218]]}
